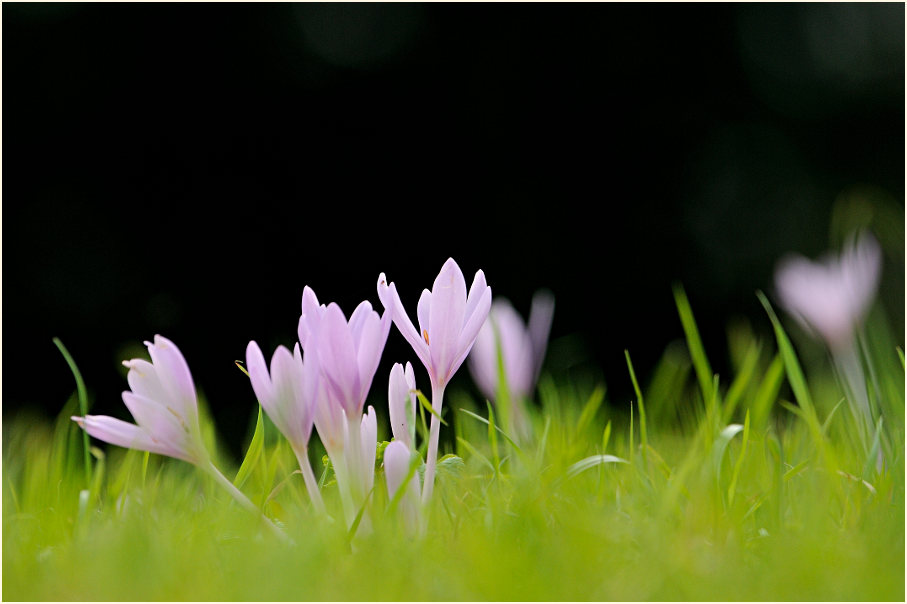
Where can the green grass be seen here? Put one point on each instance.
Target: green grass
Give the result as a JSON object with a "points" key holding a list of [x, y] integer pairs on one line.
{"points": [[753, 486]]}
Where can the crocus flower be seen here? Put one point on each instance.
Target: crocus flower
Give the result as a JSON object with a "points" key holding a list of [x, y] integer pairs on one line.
{"points": [[400, 454], [348, 352], [287, 394], [449, 320], [347, 355], [522, 348], [163, 403], [830, 297]]}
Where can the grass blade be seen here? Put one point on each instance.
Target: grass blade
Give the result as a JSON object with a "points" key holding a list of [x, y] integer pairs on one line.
{"points": [[694, 342], [252, 454], [83, 402]]}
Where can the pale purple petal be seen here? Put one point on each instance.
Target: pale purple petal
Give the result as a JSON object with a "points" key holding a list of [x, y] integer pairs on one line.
{"points": [[391, 301], [337, 355], [476, 290], [130, 436], [423, 311], [397, 456], [159, 421], [173, 373], [258, 374], [398, 402], [369, 434], [540, 317], [471, 330], [370, 346], [310, 319], [445, 322], [359, 317], [483, 361], [286, 407], [330, 421], [516, 347], [144, 381]]}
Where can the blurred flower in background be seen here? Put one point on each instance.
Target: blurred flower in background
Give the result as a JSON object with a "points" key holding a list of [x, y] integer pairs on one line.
{"points": [[507, 343], [830, 297]]}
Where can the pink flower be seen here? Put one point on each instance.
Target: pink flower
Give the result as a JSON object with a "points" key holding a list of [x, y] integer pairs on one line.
{"points": [[830, 297], [522, 348], [348, 351], [449, 319], [288, 394], [163, 403]]}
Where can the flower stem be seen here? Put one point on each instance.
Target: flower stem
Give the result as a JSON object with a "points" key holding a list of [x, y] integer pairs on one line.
{"points": [[311, 486], [437, 399], [243, 500]]}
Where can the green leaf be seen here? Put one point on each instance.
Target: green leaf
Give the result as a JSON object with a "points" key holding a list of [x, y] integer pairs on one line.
{"points": [[253, 454]]}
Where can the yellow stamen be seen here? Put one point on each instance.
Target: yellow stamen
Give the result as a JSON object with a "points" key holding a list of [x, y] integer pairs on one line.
{"points": [[425, 335]]}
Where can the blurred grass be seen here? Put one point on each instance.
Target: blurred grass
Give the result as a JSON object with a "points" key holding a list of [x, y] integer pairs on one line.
{"points": [[734, 493]]}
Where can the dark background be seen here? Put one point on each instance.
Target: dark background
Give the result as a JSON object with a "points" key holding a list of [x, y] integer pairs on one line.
{"points": [[187, 169]]}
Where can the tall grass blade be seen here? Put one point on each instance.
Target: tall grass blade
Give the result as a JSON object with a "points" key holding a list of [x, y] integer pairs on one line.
{"points": [[694, 342], [83, 402]]}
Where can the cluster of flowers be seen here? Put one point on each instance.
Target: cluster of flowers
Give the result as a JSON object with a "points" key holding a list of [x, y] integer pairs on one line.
{"points": [[327, 387], [324, 382]]}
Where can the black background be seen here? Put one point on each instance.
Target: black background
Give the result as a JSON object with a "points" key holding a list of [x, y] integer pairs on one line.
{"points": [[187, 169]]}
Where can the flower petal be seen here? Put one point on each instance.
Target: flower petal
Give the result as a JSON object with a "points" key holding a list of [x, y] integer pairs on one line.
{"points": [[373, 336], [445, 321], [337, 355], [471, 329], [369, 434], [397, 403], [173, 373], [123, 434], [159, 421], [423, 311], [540, 317], [476, 290], [391, 301]]}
